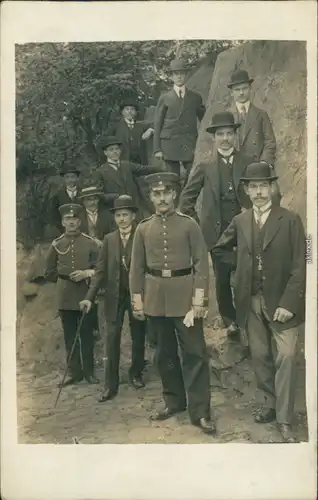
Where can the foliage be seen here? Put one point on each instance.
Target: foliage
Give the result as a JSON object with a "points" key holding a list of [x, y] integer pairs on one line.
{"points": [[67, 93]]}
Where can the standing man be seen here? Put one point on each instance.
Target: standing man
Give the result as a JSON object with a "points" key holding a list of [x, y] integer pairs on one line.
{"points": [[132, 134], [176, 121], [97, 220], [222, 199], [269, 292], [68, 193], [112, 271], [256, 136], [117, 177], [70, 262], [169, 277]]}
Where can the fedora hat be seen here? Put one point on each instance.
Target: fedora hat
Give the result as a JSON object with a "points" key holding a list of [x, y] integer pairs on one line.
{"points": [[240, 76], [105, 142], [224, 119], [129, 101], [259, 171], [124, 201], [90, 191], [178, 65]]}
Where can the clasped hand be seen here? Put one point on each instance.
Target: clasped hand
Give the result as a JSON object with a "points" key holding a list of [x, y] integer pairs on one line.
{"points": [[282, 315], [80, 275]]}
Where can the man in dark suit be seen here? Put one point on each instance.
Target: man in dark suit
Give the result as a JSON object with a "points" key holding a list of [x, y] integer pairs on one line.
{"points": [[70, 262], [132, 134], [96, 219], [117, 177], [112, 272], [68, 193], [176, 121], [256, 136], [169, 276], [269, 291]]}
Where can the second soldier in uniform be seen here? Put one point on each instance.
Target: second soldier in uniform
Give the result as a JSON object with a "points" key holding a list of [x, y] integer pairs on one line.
{"points": [[169, 279]]}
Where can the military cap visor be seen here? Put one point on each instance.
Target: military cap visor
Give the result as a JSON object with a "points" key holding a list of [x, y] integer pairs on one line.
{"points": [[162, 179], [70, 210]]}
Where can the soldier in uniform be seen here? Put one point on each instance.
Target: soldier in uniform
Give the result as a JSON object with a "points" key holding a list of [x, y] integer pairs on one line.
{"points": [[169, 284], [70, 262]]}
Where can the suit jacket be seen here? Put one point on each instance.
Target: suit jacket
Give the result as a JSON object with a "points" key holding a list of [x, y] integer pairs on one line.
{"points": [[206, 178], [169, 242], [114, 183], [258, 139], [59, 198], [284, 267], [107, 273], [122, 132], [104, 224], [176, 125]]}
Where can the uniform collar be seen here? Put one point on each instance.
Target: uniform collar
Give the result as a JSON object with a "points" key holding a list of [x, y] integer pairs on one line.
{"points": [[167, 214], [73, 235]]}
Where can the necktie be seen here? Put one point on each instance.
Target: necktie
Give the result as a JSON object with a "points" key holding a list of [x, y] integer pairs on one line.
{"points": [[243, 113], [258, 218], [180, 94]]}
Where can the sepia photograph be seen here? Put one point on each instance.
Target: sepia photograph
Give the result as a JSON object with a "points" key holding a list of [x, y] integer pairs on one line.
{"points": [[161, 215], [158, 250]]}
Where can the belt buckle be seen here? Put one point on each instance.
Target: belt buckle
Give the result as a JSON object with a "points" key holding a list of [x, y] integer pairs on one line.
{"points": [[166, 273]]}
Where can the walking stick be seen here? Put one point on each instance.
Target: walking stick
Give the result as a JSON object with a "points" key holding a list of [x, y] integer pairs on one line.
{"points": [[78, 331]]}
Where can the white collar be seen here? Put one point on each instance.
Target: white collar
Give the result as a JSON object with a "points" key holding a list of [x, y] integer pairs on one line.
{"points": [[90, 212], [129, 122], [178, 89], [264, 208], [226, 153], [240, 105], [126, 232], [72, 190]]}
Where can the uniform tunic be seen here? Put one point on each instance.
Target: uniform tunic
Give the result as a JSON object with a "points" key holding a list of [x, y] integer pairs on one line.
{"points": [[70, 253], [169, 242]]}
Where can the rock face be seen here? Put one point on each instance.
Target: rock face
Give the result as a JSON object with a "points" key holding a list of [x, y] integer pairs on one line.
{"points": [[279, 87]]}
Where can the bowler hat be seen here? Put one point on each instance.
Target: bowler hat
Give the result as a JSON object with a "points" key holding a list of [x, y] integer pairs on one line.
{"points": [[68, 169], [105, 142], [129, 102], [70, 209], [259, 171], [90, 191], [240, 76], [178, 65], [224, 119], [124, 201], [162, 179]]}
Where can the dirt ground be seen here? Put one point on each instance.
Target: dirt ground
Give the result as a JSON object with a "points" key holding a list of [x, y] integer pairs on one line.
{"points": [[126, 418]]}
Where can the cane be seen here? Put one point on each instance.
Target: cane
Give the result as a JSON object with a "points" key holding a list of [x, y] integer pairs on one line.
{"points": [[78, 331]]}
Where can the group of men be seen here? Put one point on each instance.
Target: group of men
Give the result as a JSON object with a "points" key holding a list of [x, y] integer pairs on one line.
{"points": [[157, 268]]}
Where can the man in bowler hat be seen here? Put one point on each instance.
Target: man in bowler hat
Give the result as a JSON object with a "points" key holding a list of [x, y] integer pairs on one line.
{"points": [[117, 177], [68, 193], [169, 276], [176, 121], [112, 272], [269, 291], [70, 263], [256, 137], [132, 134]]}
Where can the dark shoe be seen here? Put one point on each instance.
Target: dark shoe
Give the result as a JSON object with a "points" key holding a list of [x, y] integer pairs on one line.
{"points": [[136, 381], [91, 379], [207, 426], [287, 433], [166, 413], [107, 396], [265, 415], [70, 381], [233, 330]]}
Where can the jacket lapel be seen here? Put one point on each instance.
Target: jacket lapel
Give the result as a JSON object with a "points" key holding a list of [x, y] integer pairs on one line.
{"points": [[238, 169], [251, 117], [272, 225], [247, 227], [213, 175]]}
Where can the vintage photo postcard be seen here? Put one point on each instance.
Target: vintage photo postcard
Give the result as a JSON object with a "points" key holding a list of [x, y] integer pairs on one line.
{"points": [[158, 250]]}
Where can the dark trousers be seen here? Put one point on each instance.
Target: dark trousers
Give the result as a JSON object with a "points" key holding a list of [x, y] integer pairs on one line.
{"points": [[191, 383], [112, 344], [82, 360], [222, 273]]}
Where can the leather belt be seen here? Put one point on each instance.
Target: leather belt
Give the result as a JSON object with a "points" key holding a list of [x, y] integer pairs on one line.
{"points": [[168, 273], [64, 277]]}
